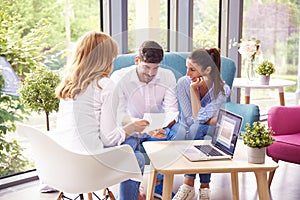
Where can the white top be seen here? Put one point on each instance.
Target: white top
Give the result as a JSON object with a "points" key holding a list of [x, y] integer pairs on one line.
{"points": [[136, 98], [87, 123]]}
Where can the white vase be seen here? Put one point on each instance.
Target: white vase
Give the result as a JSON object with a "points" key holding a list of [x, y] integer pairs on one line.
{"points": [[256, 155], [264, 79]]}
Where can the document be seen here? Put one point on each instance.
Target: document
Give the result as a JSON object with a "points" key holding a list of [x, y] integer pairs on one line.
{"points": [[159, 120]]}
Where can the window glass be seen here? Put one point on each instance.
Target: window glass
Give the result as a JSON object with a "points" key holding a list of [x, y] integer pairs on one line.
{"points": [[276, 24], [206, 23], [140, 17], [64, 21]]}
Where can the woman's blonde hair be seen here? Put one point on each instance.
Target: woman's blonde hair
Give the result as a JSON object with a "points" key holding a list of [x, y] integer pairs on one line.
{"points": [[93, 60]]}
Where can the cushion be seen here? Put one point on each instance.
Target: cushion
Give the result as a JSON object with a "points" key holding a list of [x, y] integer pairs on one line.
{"points": [[284, 119], [286, 148]]}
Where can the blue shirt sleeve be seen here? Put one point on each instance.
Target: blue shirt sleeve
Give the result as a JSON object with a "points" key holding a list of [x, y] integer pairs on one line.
{"points": [[210, 105]]}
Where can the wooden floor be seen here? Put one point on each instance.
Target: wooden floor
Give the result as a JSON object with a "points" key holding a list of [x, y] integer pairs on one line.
{"points": [[286, 184]]}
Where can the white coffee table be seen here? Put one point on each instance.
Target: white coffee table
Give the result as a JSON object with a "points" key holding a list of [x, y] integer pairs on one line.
{"points": [[166, 158]]}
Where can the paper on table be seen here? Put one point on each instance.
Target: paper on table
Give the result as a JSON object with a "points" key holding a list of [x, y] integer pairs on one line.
{"points": [[159, 120]]}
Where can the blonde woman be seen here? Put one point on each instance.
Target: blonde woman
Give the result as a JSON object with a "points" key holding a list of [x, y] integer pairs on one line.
{"points": [[86, 121]]}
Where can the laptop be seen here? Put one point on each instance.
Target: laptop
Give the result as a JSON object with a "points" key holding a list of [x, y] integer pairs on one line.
{"points": [[224, 141]]}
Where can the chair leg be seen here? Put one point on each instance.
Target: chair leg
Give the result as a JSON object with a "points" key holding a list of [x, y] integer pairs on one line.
{"points": [[60, 196], [271, 174], [81, 197], [90, 196]]}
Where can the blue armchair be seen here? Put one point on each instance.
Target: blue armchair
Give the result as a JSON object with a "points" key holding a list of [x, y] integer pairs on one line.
{"points": [[176, 61]]}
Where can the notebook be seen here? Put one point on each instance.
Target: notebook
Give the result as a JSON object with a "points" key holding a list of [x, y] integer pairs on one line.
{"points": [[223, 144]]}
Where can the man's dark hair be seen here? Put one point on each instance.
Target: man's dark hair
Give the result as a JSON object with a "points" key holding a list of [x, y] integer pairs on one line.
{"points": [[151, 52]]}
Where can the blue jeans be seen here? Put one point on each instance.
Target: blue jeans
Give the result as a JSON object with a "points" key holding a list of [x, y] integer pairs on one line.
{"points": [[130, 189], [170, 135]]}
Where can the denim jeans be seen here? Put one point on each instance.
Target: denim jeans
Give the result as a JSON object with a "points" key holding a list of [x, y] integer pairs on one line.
{"points": [[170, 135], [130, 189]]}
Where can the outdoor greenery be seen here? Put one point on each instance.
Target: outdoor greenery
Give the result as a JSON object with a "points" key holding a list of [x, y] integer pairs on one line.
{"points": [[2, 82], [38, 91], [12, 159], [258, 135], [280, 37], [265, 68], [20, 45]]}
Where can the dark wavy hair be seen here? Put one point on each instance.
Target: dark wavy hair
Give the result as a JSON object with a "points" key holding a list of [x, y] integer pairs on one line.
{"points": [[150, 52]]}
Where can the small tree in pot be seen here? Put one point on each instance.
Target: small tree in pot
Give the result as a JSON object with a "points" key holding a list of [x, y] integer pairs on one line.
{"points": [[38, 91], [257, 137]]}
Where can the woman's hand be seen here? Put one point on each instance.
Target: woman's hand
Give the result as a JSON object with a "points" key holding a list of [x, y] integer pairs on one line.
{"points": [[138, 125], [158, 133], [200, 87], [199, 83]]}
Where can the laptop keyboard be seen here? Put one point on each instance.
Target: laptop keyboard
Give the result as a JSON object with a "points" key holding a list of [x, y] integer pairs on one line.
{"points": [[208, 150]]}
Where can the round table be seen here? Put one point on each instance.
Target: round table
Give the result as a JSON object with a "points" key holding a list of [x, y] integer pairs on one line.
{"points": [[274, 83]]}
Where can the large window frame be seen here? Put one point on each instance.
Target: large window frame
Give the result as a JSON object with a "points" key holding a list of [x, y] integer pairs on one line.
{"points": [[113, 21]]}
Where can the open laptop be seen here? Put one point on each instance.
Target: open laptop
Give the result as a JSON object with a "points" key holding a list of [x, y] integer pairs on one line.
{"points": [[224, 140]]}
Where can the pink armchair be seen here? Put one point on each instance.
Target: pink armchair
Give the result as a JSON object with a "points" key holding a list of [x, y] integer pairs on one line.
{"points": [[284, 121]]}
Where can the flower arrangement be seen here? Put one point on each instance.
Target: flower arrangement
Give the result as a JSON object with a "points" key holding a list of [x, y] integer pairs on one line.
{"points": [[257, 136], [265, 68], [249, 48]]}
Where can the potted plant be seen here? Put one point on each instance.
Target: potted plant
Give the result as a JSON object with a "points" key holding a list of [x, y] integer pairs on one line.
{"points": [[37, 92], [257, 137], [265, 69]]}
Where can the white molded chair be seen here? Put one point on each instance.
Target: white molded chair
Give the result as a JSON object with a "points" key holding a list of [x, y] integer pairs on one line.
{"points": [[75, 173]]}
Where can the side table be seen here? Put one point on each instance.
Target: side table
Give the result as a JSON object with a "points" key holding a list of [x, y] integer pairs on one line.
{"points": [[274, 83]]}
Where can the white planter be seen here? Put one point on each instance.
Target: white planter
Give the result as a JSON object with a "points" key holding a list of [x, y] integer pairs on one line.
{"points": [[256, 155], [264, 79]]}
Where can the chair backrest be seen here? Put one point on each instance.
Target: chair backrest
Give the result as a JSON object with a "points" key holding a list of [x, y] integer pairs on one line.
{"points": [[75, 173], [284, 119]]}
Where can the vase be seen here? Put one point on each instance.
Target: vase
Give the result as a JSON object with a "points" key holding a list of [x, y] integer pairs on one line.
{"points": [[250, 70], [264, 79], [256, 155]]}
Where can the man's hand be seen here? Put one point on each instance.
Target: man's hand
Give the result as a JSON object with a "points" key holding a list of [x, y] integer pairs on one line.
{"points": [[158, 133]]}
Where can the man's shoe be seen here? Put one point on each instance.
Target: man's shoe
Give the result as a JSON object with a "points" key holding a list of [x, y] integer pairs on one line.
{"points": [[184, 192], [204, 194]]}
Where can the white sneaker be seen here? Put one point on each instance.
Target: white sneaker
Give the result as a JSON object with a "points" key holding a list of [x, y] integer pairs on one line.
{"points": [[204, 194], [184, 192], [47, 189]]}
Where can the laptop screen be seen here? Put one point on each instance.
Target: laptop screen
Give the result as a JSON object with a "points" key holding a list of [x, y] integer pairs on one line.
{"points": [[227, 131]]}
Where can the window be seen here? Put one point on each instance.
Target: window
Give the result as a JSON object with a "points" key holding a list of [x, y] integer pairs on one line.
{"points": [[147, 20], [66, 21], [276, 24], [206, 23]]}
